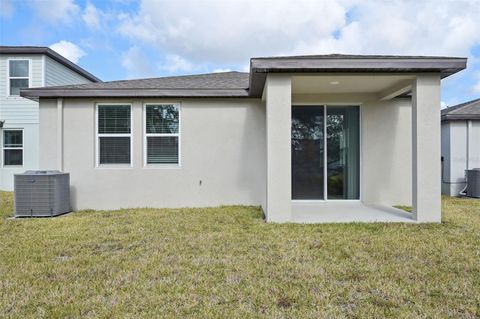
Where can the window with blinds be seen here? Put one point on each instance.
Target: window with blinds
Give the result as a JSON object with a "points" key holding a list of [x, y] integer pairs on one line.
{"points": [[162, 137], [114, 134]]}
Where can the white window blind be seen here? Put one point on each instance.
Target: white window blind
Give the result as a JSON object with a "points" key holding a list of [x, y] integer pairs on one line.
{"points": [[162, 133], [114, 134]]}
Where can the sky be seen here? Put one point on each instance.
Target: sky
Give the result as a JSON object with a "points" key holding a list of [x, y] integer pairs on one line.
{"points": [[125, 39]]}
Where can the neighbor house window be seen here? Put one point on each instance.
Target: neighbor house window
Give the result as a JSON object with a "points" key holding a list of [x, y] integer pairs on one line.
{"points": [[18, 75], [12, 147], [114, 134], [162, 137]]}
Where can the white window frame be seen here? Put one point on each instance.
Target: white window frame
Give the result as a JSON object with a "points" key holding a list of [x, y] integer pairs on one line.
{"points": [[178, 135], [97, 138], [18, 77], [12, 148]]}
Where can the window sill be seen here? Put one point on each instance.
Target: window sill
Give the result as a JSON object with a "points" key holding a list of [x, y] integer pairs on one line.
{"points": [[114, 166], [162, 166]]}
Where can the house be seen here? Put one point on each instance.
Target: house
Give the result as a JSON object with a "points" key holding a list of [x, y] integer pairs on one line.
{"points": [[324, 138], [24, 67], [460, 144]]}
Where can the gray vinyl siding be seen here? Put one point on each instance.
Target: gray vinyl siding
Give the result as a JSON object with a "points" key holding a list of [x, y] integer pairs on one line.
{"points": [[58, 74], [16, 110]]}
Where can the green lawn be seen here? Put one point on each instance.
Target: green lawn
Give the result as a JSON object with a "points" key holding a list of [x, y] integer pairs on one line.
{"points": [[227, 263]]}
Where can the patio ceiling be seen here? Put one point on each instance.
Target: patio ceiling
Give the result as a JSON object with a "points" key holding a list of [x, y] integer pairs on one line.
{"points": [[351, 83]]}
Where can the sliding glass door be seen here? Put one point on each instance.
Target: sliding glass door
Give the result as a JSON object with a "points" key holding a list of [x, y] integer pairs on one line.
{"points": [[343, 152], [307, 152], [334, 174]]}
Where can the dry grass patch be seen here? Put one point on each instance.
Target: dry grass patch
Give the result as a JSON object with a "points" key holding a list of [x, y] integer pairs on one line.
{"points": [[227, 263]]}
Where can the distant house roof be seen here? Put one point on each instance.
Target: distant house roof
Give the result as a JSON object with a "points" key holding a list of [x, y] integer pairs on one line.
{"points": [[238, 84], [50, 53], [465, 111]]}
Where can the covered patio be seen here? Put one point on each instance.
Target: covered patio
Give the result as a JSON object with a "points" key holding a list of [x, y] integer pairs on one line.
{"points": [[389, 156]]}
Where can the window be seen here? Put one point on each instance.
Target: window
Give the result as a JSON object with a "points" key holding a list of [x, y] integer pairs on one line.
{"points": [[114, 134], [162, 137], [18, 77], [12, 147]]}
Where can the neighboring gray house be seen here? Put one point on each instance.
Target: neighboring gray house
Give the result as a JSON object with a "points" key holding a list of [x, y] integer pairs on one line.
{"points": [[323, 138], [27, 67], [460, 144]]}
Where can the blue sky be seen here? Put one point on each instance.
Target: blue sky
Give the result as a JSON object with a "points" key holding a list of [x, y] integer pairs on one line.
{"points": [[121, 39]]}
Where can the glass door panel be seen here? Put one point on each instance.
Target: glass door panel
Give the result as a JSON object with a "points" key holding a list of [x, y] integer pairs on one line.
{"points": [[343, 152], [308, 152]]}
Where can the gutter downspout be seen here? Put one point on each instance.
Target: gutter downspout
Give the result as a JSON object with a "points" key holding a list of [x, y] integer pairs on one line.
{"points": [[60, 134], [469, 141], [463, 192]]}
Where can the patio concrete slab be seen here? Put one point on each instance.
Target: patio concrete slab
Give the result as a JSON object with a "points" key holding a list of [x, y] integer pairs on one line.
{"points": [[346, 212]]}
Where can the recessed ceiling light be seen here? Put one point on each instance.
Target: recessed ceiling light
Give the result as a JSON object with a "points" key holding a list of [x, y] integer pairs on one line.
{"points": [[334, 83]]}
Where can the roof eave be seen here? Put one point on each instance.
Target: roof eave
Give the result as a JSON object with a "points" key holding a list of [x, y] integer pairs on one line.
{"points": [[35, 94], [460, 117], [259, 68]]}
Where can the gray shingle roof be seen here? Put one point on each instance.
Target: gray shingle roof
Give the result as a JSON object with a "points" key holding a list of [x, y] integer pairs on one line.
{"points": [[223, 80], [466, 111], [238, 84], [226, 84]]}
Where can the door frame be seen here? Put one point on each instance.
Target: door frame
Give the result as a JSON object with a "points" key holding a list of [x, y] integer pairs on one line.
{"points": [[325, 179]]}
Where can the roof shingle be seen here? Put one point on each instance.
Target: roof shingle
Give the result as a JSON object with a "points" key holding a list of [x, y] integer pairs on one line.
{"points": [[465, 111]]}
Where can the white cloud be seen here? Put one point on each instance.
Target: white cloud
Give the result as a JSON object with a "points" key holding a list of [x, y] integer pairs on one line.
{"points": [[226, 31], [230, 32], [69, 50], [136, 64], [92, 16], [476, 87], [175, 63], [7, 8], [56, 11]]}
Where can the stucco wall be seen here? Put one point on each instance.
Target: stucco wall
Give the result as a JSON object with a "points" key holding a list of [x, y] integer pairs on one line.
{"points": [[222, 145]]}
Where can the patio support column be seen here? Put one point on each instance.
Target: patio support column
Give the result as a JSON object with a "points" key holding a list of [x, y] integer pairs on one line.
{"points": [[426, 178], [278, 101]]}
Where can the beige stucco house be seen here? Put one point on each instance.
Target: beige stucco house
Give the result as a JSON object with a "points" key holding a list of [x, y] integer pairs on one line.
{"points": [[328, 138]]}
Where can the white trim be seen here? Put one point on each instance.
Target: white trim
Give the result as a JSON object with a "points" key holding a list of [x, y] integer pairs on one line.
{"points": [[3, 148], [97, 138], [44, 71], [60, 134], [178, 135], [469, 141], [325, 157], [325, 168], [18, 77]]}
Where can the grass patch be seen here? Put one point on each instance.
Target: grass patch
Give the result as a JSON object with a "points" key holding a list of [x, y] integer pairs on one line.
{"points": [[404, 207], [227, 263]]}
